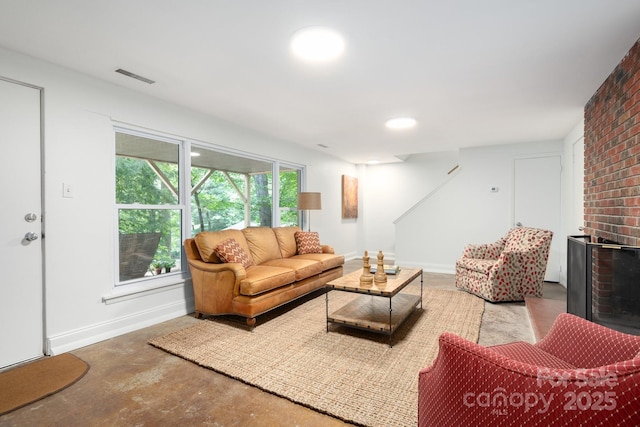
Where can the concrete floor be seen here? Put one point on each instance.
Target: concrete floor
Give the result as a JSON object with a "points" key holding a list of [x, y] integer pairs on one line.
{"points": [[131, 383]]}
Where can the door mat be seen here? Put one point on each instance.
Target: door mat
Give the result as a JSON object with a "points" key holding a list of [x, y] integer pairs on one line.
{"points": [[31, 382]]}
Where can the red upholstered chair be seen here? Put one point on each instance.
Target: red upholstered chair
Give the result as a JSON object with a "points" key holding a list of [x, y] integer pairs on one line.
{"points": [[507, 270], [579, 374]]}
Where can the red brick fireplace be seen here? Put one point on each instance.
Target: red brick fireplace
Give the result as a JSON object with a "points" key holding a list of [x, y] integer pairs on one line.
{"points": [[612, 155], [612, 200]]}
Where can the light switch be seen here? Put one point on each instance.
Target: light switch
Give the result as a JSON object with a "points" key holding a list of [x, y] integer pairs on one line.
{"points": [[67, 190], [494, 189]]}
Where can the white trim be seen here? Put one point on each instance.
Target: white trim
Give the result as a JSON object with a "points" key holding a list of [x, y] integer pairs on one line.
{"points": [[428, 267], [92, 334], [454, 172], [124, 293], [351, 256]]}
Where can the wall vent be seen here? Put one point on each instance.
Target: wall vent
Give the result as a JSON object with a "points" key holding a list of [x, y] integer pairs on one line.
{"points": [[134, 76]]}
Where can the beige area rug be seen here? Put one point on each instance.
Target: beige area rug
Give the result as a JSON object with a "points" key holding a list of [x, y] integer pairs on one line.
{"points": [[36, 380], [349, 374]]}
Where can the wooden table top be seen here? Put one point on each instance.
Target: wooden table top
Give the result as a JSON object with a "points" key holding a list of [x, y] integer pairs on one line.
{"points": [[394, 284]]}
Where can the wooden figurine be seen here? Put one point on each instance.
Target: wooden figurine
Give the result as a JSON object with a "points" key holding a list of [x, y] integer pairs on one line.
{"points": [[367, 278], [380, 276]]}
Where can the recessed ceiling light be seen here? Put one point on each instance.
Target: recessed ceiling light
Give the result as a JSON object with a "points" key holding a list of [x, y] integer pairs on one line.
{"points": [[401, 123], [194, 154], [317, 44], [373, 162]]}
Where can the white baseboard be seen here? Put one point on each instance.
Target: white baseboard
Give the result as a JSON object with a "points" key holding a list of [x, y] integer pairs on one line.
{"points": [[388, 257], [72, 340], [430, 268], [350, 256]]}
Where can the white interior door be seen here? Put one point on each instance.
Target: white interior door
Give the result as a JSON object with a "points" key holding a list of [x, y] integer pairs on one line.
{"points": [[537, 203], [21, 288]]}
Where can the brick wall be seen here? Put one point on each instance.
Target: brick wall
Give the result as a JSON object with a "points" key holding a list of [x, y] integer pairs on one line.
{"points": [[612, 155]]}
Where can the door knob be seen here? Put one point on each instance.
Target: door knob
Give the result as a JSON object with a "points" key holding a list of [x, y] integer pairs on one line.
{"points": [[31, 236]]}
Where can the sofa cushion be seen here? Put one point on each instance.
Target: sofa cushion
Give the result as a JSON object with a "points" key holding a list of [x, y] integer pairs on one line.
{"points": [[303, 267], [229, 250], [262, 278], [328, 261], [286, 240], [308, 242], [262, 243], [206, 242]]}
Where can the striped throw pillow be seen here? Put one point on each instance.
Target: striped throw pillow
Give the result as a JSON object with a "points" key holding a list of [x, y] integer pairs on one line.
{"points": [[229, 250], [308, 242]]}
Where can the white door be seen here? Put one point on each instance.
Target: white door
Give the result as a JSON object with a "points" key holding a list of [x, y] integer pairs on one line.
{"points": [[537, 203], [21, 286]]}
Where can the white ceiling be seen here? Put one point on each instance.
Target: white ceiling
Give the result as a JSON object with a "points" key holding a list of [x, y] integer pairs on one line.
{"points": [[471, 72]]}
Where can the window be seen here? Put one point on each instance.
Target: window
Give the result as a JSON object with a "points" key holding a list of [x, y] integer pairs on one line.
{"points": [[163, 194], [148, 206], [289, 187], [233, 191]]}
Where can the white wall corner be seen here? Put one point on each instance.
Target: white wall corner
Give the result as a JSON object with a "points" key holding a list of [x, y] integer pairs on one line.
{"points": [[351, 256]]}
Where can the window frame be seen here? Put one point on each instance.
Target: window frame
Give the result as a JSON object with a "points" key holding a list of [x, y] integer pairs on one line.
{"points": [[172, 277], [185, 146]]}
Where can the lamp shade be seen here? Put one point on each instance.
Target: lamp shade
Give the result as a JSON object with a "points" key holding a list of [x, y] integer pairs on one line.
{"points": [[309, 201]]}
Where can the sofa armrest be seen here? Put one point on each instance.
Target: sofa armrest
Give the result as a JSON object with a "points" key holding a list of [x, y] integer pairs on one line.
{"points": [[326, 249], [574, 339], [215, 285], [236, 268]]}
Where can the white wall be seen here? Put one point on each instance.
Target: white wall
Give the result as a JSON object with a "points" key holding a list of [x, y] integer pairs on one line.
{"points": [[389, 190], [79, 245], [464, 210]]}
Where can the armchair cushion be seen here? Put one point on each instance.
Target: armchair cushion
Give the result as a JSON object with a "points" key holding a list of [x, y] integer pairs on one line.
{"points": [[477, 264]]}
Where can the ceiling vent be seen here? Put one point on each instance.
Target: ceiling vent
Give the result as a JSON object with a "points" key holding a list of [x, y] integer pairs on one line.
{"points": [[135, 76]]}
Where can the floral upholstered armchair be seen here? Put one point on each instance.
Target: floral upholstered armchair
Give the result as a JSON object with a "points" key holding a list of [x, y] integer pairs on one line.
{"points": [[579, 374], [507, 270]]}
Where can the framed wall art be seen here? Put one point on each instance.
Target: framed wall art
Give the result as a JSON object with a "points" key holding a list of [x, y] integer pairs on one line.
{"points": [[349, 197]]}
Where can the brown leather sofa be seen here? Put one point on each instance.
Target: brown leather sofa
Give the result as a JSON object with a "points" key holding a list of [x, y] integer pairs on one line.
{"points": [[278, 274]]}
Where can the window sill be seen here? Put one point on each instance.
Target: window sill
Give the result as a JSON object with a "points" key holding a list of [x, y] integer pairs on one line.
{"points": [[139, 290]]}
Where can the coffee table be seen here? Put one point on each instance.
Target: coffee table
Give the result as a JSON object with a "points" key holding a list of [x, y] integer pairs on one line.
{"points": [[381, 308]]}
